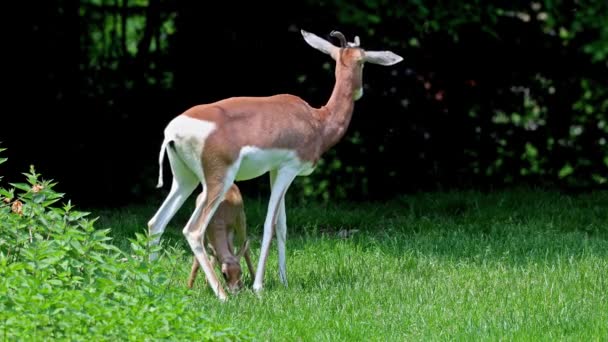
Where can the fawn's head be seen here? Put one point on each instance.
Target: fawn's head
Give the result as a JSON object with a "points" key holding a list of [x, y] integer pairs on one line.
{"points": [[231, 270]]}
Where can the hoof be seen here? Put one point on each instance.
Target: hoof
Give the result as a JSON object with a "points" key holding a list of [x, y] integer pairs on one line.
{"points": [[257, 288]]}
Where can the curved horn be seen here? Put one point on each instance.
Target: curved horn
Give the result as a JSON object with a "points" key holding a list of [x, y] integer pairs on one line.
{"points": [[339, 35]]}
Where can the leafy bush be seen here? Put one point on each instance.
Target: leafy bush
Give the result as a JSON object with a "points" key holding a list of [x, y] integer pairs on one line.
{"points": [[63, 279]]}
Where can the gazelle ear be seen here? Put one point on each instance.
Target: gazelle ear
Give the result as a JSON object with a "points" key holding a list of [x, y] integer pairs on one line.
{"points": [[355, 43], [382, 57], [243, 249], [320, 43]]}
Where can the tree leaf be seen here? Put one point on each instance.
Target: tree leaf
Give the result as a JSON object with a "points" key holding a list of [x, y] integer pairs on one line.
{"points": [[565, 171]]}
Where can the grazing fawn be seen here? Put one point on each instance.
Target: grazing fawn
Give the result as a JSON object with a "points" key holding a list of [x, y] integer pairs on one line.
{"points": [[228, 225]]}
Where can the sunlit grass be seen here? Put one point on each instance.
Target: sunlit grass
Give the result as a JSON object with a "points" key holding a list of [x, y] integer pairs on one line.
{"points": [[464, 265]]}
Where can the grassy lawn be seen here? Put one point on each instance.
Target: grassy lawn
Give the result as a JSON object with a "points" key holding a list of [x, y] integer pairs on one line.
{"points": [[464, 265]]}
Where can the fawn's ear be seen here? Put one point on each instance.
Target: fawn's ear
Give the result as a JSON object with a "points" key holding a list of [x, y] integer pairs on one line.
{"points": [[243, 249], [224, 267], [382, 57], [320, 44]]}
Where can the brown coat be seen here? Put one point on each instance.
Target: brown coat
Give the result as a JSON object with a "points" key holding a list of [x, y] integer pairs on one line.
{"points": [[227, 226]]}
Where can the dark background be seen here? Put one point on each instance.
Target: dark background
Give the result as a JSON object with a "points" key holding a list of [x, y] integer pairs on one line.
{"points": [[489, 95]]}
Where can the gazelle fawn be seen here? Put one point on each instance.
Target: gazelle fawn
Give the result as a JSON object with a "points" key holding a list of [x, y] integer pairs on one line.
{"points": [[227, 227]]}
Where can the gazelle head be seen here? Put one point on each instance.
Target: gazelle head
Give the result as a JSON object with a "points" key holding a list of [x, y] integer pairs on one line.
{"points": [[351, 56], [231, 270]]}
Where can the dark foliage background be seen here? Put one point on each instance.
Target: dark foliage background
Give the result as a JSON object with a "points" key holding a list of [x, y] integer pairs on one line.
{"points": [[490, 94]]}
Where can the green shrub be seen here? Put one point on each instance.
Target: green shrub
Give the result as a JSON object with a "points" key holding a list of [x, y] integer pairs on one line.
{"points": [[63, 279]]}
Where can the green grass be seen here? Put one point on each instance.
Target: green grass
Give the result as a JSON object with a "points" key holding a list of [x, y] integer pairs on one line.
{"points": [[523, 265]]}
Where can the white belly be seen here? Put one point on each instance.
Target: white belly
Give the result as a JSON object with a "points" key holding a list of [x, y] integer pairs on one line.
{"points": [[255, 162]]}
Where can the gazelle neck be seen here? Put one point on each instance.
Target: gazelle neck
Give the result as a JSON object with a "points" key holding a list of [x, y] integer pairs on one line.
{"points": [[339, 107]]}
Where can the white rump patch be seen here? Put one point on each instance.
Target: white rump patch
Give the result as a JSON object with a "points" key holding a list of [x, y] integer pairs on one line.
{"points": [[189, 135]]}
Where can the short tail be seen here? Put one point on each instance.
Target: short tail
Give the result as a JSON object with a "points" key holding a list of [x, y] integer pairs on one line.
{"points": [[161, 157]]}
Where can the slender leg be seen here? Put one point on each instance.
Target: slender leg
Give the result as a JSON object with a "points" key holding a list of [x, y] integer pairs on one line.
{"points": [[215, 189], [281, 229], [284, 178], [241, 236], [195, 230], [193, 273], [195, 267], [281, 240], [184, 182], [247, 256]]}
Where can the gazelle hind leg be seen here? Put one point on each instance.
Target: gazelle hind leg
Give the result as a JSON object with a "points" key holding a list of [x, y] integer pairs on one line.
{"points": [[284, 178], [281, 231], [184, 182], [281, 240], [214, 191]]}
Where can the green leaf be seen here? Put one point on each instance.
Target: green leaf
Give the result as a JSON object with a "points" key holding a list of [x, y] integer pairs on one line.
{"points": [[21, 186], [77, 246], [10, 194], [49, 202], [39, 198], [57, 211], [516, 118], [598, 178], [531, 151], [110, 247], [99, 259], [565, 171], [55, 282], [76, 215], [68, 206]]}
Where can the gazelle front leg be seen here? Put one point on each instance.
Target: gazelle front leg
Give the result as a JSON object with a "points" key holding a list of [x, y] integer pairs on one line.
{"points": [[217, 182], [281, 229], [195, 267], [284, 178], [195, 231]]}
